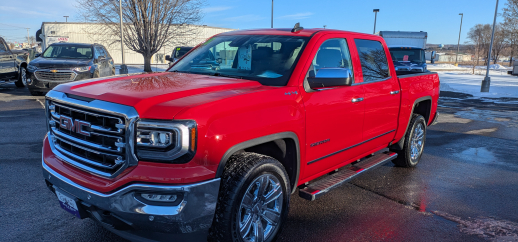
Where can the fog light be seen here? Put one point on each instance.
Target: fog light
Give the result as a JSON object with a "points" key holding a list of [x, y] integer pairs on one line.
{"points": [[159, 197]]}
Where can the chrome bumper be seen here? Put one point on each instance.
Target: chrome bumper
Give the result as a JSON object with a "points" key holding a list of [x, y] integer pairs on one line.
{"points": [[122, 213]]}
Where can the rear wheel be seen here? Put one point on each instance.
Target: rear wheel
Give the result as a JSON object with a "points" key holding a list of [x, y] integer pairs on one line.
{"points": [[253, 199], [22, 78], [414, 143]]}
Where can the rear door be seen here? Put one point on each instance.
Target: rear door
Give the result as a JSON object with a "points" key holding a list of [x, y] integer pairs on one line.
{"points": [[7, 62], [333, 120], [382, 97]]}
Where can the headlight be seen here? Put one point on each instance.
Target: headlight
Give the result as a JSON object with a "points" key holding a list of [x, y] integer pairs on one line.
{"points": [[166, 141], [82, 69], [31, 68]]}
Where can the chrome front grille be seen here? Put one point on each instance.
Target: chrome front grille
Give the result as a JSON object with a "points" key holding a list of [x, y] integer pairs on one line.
{"points": [[55, 75], [93, 139]]}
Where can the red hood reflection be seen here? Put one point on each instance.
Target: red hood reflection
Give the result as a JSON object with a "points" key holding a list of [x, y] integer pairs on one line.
{"points": [[145, 91]]}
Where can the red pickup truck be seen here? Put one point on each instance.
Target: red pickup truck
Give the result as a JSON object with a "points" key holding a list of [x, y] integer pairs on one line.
{"points": [[214, 147]]}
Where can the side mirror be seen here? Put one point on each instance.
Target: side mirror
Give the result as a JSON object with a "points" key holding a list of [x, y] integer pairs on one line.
{"points": [[330, 77], [434, 54], [37, 55], [168, 58]]}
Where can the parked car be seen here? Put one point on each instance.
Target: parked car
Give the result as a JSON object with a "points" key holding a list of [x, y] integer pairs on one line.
{"points": [[67, 62], [216, 150], [178, 52], [13, 64]]}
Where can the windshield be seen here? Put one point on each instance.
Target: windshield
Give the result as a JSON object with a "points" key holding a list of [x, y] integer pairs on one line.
{"points": [[264, 58], [180, 51], [411, 55], [68, 52]]}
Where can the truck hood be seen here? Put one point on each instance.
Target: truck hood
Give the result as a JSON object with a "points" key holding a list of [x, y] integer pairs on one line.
{"points": [[59, 63], [160, 95]]}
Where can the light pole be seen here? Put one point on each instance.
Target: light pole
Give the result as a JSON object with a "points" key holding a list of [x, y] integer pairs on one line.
{"points": [[484, 87], [66, 18], [375, 18], [123, 69], [458, 43], [272, 14]]}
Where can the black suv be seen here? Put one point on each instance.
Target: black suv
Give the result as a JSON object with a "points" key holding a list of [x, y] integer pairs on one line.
{"points": [[67, 62]]}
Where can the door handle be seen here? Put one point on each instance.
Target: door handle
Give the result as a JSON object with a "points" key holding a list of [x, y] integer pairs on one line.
{"points": [[394, 92], [355, 100]]}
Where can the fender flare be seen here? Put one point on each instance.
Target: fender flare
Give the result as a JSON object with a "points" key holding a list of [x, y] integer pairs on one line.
{"points": [[262, 140], [401, 142]]}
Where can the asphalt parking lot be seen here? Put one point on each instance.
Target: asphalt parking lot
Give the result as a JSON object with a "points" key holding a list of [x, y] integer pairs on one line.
{"points": [[464, 189]]}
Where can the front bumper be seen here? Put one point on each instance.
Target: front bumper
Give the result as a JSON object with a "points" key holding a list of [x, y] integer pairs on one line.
{"points": [[34, 84], [125, 215]]}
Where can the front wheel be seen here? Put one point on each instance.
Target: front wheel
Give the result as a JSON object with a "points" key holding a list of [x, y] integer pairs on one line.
{"points": [[253, 199], [22, 78], [414, 143]]}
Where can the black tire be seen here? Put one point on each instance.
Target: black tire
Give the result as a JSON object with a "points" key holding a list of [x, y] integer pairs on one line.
{"points": [[22, 78], [241, 172], [405, 157]]}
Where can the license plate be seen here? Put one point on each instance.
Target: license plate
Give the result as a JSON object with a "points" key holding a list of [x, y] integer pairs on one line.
{"points": [[68, 203]]}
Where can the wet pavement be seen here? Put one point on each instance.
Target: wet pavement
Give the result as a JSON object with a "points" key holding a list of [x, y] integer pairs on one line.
{"points": [[464, 189]]}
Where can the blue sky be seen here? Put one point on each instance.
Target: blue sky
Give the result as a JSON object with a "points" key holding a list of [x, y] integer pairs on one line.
{"points": [[437, 17]]}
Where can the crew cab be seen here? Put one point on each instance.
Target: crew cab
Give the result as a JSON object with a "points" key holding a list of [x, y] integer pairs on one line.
{"points": [[67, 62], [13, 64], [213, 148]]}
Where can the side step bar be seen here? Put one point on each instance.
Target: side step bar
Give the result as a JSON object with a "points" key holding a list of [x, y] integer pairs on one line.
{"points": [[321, 187]]}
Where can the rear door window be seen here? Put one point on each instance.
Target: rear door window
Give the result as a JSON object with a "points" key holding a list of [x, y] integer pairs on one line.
{"points": [[373, 60]]}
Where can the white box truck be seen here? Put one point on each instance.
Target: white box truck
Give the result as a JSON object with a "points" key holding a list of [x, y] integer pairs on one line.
{"points": [[407, 50]]}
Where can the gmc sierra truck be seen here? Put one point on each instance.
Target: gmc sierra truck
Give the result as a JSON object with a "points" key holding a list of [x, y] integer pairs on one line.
{"points": [[213, 150], [13, 64]]}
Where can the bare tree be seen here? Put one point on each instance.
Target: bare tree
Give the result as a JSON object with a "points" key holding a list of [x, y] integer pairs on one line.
{"points": [[149, 25], [500, 42], [510, 26]]}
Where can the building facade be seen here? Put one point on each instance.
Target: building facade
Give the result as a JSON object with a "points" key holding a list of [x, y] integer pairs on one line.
{"points": [[54, 32]]}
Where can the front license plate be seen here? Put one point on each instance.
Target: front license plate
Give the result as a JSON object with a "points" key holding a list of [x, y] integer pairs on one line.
{"points": [[68, 203]]}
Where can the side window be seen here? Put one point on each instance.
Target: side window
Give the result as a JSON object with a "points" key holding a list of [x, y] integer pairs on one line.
{"points": [[3, 48], [373, 60], [98, 52], [332, 60], [106, 54]]}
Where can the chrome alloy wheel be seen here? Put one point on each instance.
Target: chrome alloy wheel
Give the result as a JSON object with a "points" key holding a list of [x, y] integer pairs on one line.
{"points": [[417, 142], [24, 76], [260, 209]]}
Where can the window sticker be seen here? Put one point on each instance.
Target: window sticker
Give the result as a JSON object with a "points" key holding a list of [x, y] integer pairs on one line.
{"points": [[208, 41], [405, 58], [178, 48], [245, 58]]}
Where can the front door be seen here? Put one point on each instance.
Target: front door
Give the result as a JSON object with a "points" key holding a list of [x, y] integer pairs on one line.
{"points": [[101, 61], [382, 95], [334, 117], [7, 62]]}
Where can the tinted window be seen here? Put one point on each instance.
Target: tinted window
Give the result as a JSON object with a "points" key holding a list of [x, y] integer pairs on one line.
{"points": [[68, 52], [267, 59], [181, 51], [332, 59], [373, 60], [106, 53], [412, 55], [2, 47]]}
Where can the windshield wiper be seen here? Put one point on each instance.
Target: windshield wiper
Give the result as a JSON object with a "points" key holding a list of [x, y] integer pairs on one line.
{"points": [[227, 75]]}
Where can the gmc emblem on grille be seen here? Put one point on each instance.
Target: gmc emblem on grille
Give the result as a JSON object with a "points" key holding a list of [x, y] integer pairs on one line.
{"points": [[73, 125]]}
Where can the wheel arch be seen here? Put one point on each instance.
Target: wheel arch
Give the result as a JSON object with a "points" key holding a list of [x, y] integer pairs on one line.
{"points": [[425, 110], [283, 146]]}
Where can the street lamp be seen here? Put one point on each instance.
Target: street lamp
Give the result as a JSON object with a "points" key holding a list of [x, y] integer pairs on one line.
{"points": [[123, 69], [66, 18], [272, 14], [458, 43], [375, 17], [484, 87]]}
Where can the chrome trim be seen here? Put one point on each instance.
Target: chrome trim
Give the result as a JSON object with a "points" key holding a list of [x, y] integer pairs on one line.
{"points": [[94, 127], [66, 153], [64, 136], [123, 200], [364, 82], [73, 77], [350, 147], [129, 114], [356, 100]]}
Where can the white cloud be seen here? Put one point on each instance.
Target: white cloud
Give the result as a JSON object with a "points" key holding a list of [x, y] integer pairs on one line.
{"points": [[215, 9], [297, 16], [244, 18]]}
